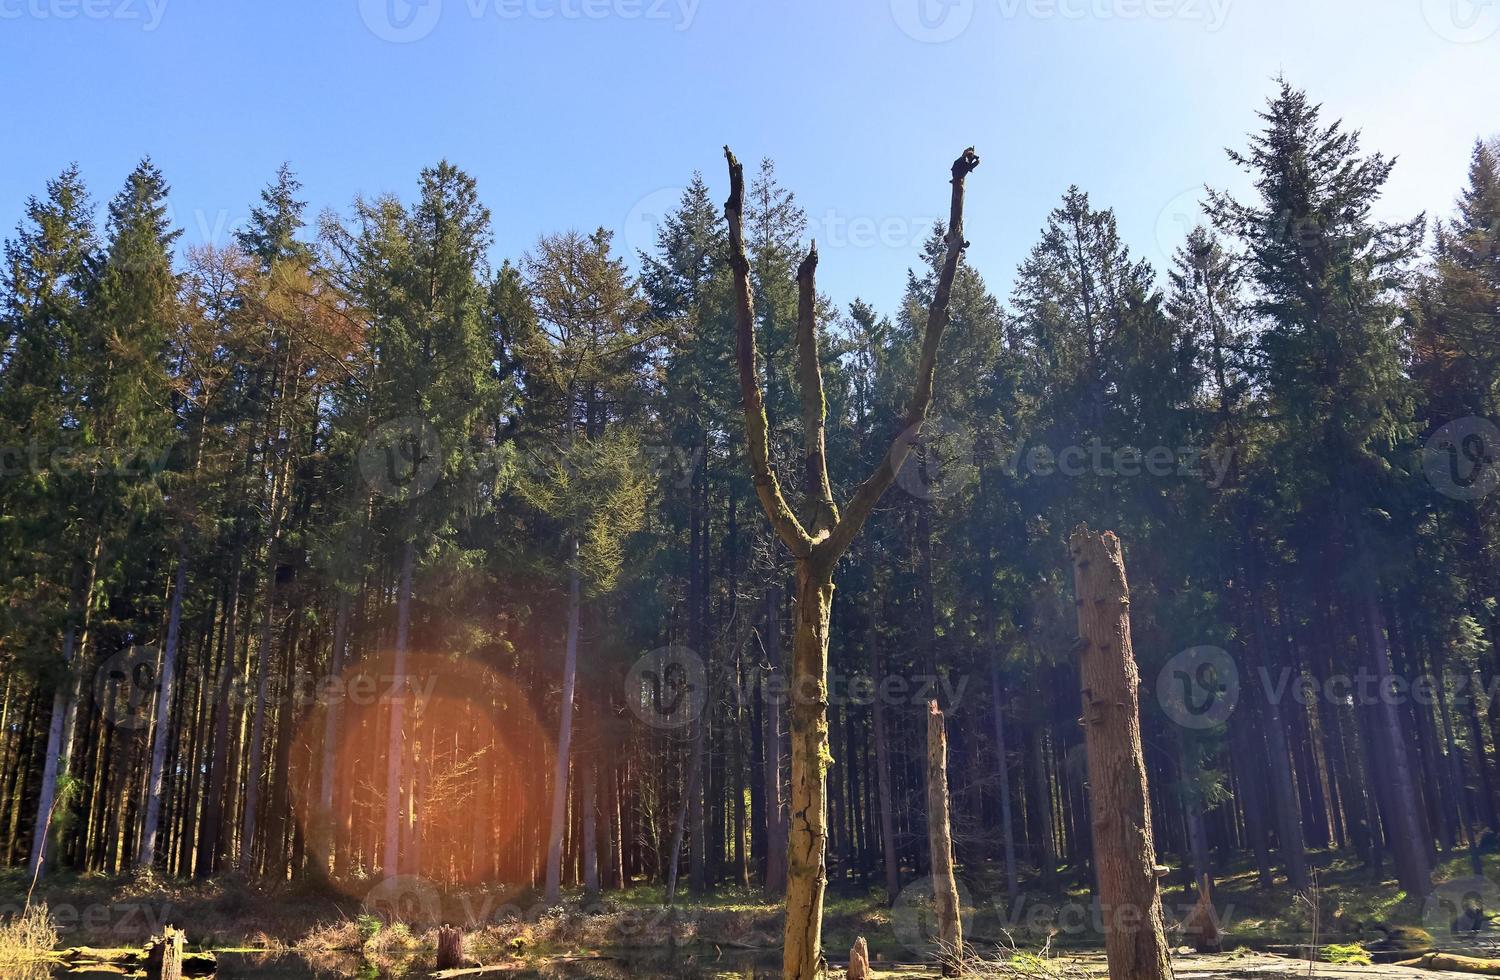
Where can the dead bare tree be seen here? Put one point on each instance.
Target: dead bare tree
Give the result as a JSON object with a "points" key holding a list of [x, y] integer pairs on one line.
{"points": [[1124, 853], [818, 540]]}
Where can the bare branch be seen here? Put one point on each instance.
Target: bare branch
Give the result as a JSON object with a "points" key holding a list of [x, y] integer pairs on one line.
{"points": [[823, 515], [869, 492], [757, 430]]}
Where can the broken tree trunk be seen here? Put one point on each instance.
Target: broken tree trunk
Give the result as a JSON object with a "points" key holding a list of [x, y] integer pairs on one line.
{"points": [[1124, 854], [164, 956], [450, 948], [859, 961], [1201, 928], [940, 844]]}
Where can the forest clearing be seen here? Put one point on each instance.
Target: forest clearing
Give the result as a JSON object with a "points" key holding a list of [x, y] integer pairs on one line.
{"points": [[949, 584]]}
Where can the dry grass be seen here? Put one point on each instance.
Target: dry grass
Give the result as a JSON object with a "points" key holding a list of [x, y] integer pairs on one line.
{"points": [[26, 940], [1013, 963]]}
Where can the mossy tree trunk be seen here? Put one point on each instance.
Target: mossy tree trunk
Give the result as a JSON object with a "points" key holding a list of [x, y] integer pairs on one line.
{"points": [[940, 844]]}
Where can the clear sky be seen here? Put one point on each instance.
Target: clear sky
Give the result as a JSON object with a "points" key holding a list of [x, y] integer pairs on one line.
{"points": [[580, 113]]}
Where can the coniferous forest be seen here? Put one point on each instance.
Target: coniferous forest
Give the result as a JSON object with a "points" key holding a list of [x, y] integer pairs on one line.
{"points": [[350, 569]]}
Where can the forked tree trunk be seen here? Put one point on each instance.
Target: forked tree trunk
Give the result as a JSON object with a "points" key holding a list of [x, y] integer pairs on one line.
{"points": [[1124, 853], [818, 545], [940, 844]]}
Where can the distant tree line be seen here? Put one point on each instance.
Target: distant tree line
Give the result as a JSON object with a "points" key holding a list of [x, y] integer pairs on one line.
{"points": [[339, 552]]}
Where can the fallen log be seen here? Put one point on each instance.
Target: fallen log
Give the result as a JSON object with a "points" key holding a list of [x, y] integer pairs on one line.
{"points": [[1456, 963], [193, 964]]}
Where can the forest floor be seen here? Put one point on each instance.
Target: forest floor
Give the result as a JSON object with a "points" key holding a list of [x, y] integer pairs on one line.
{"points": [[732, 926]]}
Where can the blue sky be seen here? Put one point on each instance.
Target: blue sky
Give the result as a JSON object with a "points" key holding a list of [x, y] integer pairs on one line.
{"points": [[580, 113]]}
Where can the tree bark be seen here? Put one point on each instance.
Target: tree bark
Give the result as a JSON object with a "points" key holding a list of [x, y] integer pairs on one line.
{"points": [[390, 863], [940, 844], [1124, 853], [146, 855], [878, 720], [553, 888], [1007, 830]]}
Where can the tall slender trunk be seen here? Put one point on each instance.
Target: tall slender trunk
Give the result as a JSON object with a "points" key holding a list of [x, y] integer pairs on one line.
{"points": [[1284, 790], [323, 833], [1407, 838], [146, 856], [390, 864], [887, 807], [553, 888], [776, 843], [64, 711], [940, 845], [590, 828], [1012, 886], [690, 792], [1124, 852], [807, 836]]}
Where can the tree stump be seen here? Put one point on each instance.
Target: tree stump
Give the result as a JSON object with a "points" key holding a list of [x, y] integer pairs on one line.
{"points": [[450, 948], [940, 843], [1135, 938], [859, 961], [164, 956], [1201, 929]]}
